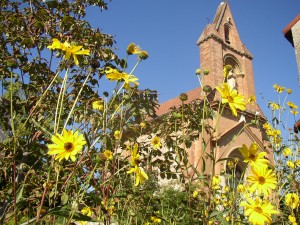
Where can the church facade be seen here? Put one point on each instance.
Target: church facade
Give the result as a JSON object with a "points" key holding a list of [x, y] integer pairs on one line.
{"points": [[220, 45]]}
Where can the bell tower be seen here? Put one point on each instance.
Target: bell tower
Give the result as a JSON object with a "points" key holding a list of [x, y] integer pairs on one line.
{"points": [[220, 45]]}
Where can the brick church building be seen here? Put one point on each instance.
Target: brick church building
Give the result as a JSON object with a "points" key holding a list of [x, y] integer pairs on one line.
{"points": [[220, 45]]}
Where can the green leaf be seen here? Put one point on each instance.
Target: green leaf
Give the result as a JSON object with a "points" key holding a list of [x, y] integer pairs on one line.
{"points": [[223, 159], [204, 165], [19, 193], [64, 198], [66, 211]]}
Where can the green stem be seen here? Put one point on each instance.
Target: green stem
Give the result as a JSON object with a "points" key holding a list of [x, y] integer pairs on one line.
{"points": [[60, 101], [76, 100]]}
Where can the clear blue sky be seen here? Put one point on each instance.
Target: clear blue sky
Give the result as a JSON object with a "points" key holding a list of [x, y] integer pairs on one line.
{"points": [[168, 30]]}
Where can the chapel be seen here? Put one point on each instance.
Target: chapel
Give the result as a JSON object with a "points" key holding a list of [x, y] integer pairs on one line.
{"points": [[220, 45]]}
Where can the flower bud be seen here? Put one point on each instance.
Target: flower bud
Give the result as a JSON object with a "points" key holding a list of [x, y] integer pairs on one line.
{"points": [[207, 88], [198, 71], [183, 97], [206, 72], [143, 55]]}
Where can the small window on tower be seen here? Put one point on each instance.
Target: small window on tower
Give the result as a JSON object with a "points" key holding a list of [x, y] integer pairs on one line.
{"points": [[226, 33]]}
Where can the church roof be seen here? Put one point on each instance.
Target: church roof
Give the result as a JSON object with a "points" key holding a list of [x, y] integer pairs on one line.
{"points": [[165, 107], [287, 31]]}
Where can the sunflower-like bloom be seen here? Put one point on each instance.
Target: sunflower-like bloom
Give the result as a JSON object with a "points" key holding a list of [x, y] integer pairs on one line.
{"points": [[292, 219], [156, 143], [252, 155], [290, 164], [155, 219], [292, 105], [286, 152], [117, 135], [128, 79], [274, 106], [87, 211], [294, 112], [226, 70], [259, 212], [289, 91], [140, 175], [278, 88], [230, 96], [135, 157], [108, 154], [66, 145], [262, 180], [98, 105], [70, 50], [252, 99], [267, 126], [292, 200], [216, 181], [133, 49]]}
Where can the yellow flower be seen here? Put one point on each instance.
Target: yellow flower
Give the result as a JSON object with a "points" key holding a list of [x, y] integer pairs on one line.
{"points": [[230, 164], [258, 211], [143, 55], [135, 157], [278, 88], [252, 155], [289, 91], [216, 181], [231, 97], [70, 50], [286, 152], [226, 70], [130, 79], [67, 145], [115, 75], [262, 180], [140, 175], [143, 125], [298, 163], [274, 105], [292, 219], [273, 132], [267, 126], [117, 135], [195, 194], [290, 164], [87, 211], [98, 105], [108, 154], [241, 188], [252, 99], [156, 144], [292, 105], [155, 219], [292, 200], [133, 49], [294, 112]]}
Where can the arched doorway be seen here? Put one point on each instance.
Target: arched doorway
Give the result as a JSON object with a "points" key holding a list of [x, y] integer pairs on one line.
{"points": [[235, 168]]}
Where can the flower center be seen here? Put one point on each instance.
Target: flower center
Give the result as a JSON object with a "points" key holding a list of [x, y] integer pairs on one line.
{"points": [[258, 209], [261, 180], [230, 99], [252, 157], [69, 147]]}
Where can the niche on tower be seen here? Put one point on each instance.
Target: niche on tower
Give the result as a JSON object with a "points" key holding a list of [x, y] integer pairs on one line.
{"points": [[235, 72]]}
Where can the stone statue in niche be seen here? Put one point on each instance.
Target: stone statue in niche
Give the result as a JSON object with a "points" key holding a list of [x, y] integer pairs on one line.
{"points": [[231, 80]]}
